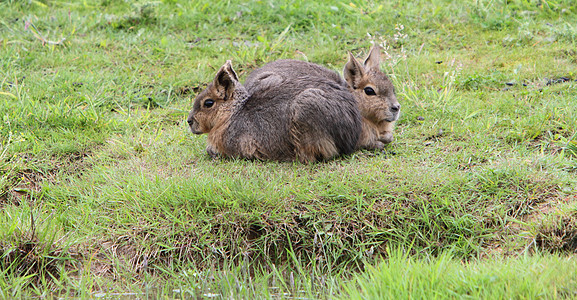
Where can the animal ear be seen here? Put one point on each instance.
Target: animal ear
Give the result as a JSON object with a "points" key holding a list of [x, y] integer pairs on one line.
{"points": [[225, 81], [353, 71], [373, 60]]}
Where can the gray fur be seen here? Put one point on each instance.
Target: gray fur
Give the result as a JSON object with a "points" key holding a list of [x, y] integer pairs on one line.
{"points": [[379, 112], [305, 118]]}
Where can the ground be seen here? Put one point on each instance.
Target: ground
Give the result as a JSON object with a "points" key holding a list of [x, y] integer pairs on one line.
{"points": [[105, 192]]}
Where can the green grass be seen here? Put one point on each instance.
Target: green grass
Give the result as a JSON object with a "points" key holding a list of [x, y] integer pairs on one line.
{"points": [[103, 189], [523, 277]]}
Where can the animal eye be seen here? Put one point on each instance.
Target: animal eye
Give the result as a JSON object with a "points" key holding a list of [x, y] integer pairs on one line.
{"points": [[369, 91], [208, 103]]}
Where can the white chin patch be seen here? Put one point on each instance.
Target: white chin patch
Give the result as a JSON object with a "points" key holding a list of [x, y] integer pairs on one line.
{"points": [[398, 116]]}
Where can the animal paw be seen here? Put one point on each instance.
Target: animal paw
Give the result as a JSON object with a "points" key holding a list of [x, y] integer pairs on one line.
{"points": [[212, 152], [386, 137]]}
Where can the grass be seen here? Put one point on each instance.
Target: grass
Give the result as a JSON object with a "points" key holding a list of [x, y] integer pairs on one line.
{"points": [[403, 277], [104, 191]]}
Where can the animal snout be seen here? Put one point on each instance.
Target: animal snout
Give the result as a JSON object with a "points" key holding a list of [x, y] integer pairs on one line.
{"points": [[395, 108], [193, 124], [191, 121]]}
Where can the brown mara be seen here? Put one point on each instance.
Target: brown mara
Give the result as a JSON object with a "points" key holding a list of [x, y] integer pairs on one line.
{"points": [[294, 110], [371, 88]]}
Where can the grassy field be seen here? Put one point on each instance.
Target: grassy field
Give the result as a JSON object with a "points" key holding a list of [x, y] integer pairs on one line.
{"points": [[104, 192]]}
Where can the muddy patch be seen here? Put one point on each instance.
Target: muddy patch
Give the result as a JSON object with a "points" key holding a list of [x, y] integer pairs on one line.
{"points": [[26, 183]]}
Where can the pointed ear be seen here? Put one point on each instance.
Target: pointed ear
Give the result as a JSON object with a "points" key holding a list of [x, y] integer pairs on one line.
{"points": [[225, 81], [373, 60], [353, 71]]}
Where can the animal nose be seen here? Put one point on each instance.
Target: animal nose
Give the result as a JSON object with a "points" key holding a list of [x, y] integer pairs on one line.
{"points": [[395, 108], [190, 121]]}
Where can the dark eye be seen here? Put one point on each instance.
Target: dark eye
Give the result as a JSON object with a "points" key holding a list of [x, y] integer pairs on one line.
{"points": [[208, 103], [369, 91]]}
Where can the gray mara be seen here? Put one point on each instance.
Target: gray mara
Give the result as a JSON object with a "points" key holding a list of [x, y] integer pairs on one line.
{"points": [[308, 118], [371, 88]]}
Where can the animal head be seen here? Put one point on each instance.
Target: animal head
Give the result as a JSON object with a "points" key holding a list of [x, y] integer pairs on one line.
{"points": [[213, 106], [372, 89]]}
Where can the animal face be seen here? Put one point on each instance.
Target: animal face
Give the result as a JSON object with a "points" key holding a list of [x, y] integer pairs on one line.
{"points": [[205, 111], [372, 89], [212, 106]]}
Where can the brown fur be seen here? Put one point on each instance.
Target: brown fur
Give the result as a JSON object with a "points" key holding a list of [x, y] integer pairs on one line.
{"points": [[379, 112], [305, 119]]}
